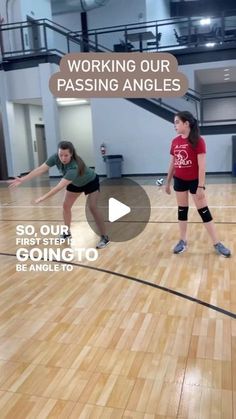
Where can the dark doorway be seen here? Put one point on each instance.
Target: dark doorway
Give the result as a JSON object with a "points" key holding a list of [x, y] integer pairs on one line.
{"points": [[3, 159], [34, 34], [40, 143]]}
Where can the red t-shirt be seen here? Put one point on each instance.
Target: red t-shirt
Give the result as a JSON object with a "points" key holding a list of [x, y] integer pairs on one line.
{"points": [[185, 157]]}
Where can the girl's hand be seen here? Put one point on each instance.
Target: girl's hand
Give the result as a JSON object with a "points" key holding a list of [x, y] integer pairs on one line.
{"points": [[167, 189], [38, 200], [14, 182]]}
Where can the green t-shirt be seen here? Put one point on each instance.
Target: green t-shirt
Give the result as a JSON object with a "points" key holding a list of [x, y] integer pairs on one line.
{"points": [[70, 171]]}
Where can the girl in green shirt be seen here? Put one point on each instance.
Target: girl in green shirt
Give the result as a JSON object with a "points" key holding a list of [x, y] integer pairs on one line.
{"points": [[77, 178]]}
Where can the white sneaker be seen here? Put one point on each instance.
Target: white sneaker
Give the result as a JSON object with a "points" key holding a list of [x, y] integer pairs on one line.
{"points": [[222, 250], [66, 236], [103, 242], [180, 247]]}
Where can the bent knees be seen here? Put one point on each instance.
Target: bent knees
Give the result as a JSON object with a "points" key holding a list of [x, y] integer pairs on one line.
{"points": [[92, 206], [67, 206], [182, 213], [205, 214]]}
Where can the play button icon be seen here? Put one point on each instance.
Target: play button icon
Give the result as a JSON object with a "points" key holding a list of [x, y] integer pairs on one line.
{"points": [[117, 210], [125, 207]]}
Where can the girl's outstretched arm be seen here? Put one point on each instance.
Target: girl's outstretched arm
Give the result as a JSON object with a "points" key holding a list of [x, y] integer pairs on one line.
{"points": [[61, 185], [34, 173]]}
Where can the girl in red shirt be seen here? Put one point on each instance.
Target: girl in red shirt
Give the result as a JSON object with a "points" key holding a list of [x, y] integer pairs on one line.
{"points": [[187, 166]]}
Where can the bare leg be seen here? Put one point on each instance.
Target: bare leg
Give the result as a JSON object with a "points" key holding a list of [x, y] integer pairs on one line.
{"points": [[210, 226], [69, 200], [92, 204], [182, 201]]}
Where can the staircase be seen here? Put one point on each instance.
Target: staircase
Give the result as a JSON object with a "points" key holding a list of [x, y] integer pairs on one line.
{"points": [[52, 48]]}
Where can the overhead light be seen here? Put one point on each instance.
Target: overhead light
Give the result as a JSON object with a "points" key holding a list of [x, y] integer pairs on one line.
{"points": [[226, 75], [71, 101], [227, 78], [205, 21], [226, 69], [210, 44]]}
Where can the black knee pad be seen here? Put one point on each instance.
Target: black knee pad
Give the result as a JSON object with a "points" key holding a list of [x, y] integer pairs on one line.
{"points": [[182, 213], [205, 214]]}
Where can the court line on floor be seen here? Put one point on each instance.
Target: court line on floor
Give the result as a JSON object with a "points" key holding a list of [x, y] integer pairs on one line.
{"points": [[144, 282], [107, 221], [99, 206]]}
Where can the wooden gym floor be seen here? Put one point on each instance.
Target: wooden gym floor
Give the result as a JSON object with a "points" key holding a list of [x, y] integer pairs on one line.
{"points": [[139, 333]]}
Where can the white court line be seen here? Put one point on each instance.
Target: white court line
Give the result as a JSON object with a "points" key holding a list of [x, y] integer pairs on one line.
{"points": [[82, 206], [37, 206], [34, 206]]}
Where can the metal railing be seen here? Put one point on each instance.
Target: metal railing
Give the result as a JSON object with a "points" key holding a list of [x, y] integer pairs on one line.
{"points": [[199, 105], [24, 39], [41, 36], [166, 34]]}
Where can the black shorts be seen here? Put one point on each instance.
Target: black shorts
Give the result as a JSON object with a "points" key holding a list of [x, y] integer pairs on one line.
{"points": [[87, 189], [181, 185]]}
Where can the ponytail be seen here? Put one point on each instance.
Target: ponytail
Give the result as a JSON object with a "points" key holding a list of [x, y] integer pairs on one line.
{"points": [[194, 133], [67, 145]]}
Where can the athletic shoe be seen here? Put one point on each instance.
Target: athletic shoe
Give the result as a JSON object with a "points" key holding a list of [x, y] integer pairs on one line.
{"points": [[222, 250], [180, 247], [103, 242], [66, 236]]}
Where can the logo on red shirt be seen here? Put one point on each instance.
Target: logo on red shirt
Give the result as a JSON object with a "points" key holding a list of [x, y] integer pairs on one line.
{"points": [[181, 157]]}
